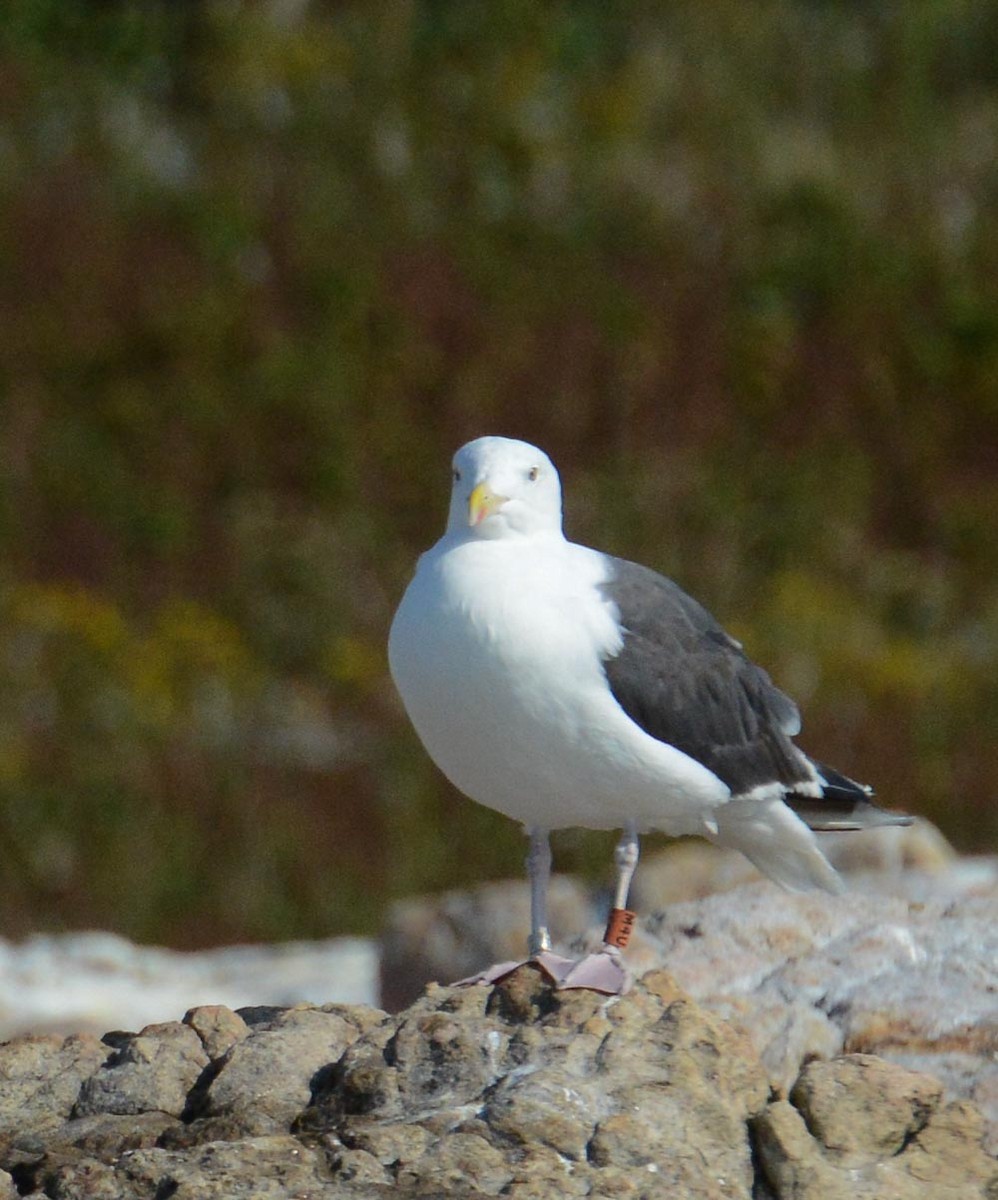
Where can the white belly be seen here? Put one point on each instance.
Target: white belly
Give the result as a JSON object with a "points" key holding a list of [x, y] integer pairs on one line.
{"points": [[504, 684]]}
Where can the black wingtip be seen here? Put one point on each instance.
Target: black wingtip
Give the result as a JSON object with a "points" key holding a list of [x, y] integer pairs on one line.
{"points": [[826, 815], [845, 804]]}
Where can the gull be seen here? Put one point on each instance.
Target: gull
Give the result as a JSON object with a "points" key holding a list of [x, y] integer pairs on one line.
{"points": [[566, 687]]}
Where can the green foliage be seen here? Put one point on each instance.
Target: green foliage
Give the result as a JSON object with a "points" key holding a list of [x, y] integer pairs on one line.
{"points": [[264, 266]]}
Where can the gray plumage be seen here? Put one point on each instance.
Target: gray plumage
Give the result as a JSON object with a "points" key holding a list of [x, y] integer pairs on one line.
{"points": [[686, 682]]}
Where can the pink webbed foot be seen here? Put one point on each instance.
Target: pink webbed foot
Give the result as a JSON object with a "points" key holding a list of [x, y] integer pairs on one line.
{"points": [[604, 971], [555, 966], [600, 972]]}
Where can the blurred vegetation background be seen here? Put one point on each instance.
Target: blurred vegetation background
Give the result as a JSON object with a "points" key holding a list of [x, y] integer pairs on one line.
{"points": [[264, 266]]}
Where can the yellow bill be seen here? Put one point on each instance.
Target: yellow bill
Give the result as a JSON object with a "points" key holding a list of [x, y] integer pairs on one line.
{"points": [[482, 503]]}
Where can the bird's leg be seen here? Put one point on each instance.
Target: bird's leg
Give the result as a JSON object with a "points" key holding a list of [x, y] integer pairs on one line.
{"points": [[539, 873], [618, 929], [604, 971], [539, 943]]}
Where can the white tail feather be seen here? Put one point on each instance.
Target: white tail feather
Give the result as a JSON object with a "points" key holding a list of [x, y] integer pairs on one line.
{"points": [[778, 842]]}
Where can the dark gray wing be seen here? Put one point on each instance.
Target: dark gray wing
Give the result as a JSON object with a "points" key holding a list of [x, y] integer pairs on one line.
{"points": [[686, 682]]}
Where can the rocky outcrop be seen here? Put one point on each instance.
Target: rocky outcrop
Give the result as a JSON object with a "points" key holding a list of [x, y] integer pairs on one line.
{"points": [[512, 1090], [903, 966], [797, 1048]]}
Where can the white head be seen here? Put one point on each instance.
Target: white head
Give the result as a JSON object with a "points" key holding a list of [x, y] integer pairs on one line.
{"points": [[503, 487]]}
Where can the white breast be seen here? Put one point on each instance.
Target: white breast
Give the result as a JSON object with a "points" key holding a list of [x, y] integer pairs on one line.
{"points": [[497, 651]]}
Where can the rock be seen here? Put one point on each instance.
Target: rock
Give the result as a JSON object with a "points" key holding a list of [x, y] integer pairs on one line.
{"points": [[150, 1071], [218, 1027], [515, 1090], [266, 1077], [519, 1088], [861, 1129], [799, 1048], [863, 1106], [902, 966], [266, 1168], [458, 1163], [42, 1078], [448, 937], [36, 1158], [808, 976], [100, 1135]]}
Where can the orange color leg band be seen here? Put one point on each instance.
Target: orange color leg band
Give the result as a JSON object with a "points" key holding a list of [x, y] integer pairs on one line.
{"points": [[619, 927]]}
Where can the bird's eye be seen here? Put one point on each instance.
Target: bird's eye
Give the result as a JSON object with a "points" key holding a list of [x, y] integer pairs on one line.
{"points": [[457, 475], [533, 473]]}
